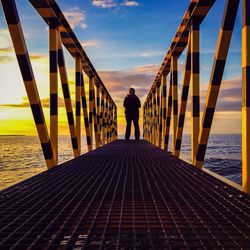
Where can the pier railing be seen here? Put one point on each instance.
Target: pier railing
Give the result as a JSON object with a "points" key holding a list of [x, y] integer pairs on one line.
{"points": [[101, 111], [160, 109]]}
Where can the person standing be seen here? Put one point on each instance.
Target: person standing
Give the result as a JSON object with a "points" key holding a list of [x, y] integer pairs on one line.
{"points": [[132, 104]]}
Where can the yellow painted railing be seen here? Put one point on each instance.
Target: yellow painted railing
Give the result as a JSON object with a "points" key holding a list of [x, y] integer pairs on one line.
{"points": [[103, 115], [188, 37]]}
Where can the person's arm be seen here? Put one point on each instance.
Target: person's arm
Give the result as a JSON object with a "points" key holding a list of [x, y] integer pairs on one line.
{"points": [[125, 103], [138, 103]]}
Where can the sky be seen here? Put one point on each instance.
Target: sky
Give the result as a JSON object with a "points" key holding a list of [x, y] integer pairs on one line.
{"points": [[126, 42]]}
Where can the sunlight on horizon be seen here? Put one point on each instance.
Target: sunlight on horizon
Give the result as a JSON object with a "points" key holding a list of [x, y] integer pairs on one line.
{"points": [[15, 114]]}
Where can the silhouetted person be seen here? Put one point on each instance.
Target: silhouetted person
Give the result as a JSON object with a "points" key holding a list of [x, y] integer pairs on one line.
{"points": [[132, 104]]}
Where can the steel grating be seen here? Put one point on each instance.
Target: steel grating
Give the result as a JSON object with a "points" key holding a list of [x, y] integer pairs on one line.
{"points": [[125, 195]]}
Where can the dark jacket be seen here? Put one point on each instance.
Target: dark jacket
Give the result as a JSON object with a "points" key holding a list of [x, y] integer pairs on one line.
{"points": [[131, 104]]}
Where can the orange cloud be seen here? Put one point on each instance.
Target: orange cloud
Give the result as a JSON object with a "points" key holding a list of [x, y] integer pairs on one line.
{"points": [[150, 69], [45, 103], [118, 82], [230, 96], [38, 56], [130, 3]]}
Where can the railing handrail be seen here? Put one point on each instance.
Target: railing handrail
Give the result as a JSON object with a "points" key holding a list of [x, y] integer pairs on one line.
{"points": [[180, 40], [100, 116], [157, 116], [67, 33]]}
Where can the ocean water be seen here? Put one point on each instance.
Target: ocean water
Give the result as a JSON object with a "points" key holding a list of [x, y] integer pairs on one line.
{"points": [[21, 156], [223, 155]]}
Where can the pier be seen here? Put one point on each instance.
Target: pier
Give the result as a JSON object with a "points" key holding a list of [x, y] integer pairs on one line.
{"points": [[124, 195], [129, 194]]}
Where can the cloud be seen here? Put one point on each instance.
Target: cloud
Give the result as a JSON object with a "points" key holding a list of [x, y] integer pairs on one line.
{"points": [[6, 50], [130, 3], [151, 53], [46, 102], [105, 4], [7, 54], [19, 105], [118, 82], [150, 69], [230, 97], [76, 17], [141, 78], [5, 40], [5, 59], [25, 104], [89, 43], [34, 56]]}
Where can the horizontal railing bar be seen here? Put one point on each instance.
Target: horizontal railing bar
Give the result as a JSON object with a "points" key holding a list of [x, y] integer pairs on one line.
{"points": [[196, 8], [50, 11]]}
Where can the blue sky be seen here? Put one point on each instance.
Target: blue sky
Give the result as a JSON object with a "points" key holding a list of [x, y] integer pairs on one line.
{"points": [[127, 41], [131, 36]]}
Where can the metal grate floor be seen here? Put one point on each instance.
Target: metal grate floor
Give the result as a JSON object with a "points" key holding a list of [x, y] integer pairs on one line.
{"points": [[125, 195]]}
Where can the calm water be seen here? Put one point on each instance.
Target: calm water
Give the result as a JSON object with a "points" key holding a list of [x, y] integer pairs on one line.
{"points": [[223, 155], [21, 156]]}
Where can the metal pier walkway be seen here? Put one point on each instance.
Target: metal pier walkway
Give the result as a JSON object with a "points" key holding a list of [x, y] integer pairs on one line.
{"points": [[124, 195]]}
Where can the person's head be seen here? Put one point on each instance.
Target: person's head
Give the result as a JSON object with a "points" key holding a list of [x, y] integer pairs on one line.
{"points": [[131, 91]]}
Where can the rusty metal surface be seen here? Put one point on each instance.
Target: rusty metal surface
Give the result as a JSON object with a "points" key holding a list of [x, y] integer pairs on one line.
{"points": [[125, 195]]}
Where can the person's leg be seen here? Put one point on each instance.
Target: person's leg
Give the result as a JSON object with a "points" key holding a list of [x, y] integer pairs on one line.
{"points": [[136, 125], [128, 128]]}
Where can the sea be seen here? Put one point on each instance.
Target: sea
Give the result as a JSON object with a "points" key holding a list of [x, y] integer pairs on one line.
{"points": [[21, 156]]}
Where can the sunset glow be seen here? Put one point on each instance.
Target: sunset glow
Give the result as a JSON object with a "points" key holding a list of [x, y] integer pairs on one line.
{"points": [[122, 61]]}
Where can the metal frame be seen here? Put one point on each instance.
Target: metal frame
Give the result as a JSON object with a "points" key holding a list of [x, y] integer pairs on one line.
{"points": [[188, 37], [246, 97], [60, 34]]}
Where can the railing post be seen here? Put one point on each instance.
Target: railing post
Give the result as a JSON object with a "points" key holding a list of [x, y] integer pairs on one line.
{"points": [[151, 122], [144, 122], [97, 143], [106, 118], [53, 60], [147, 121], [174, 76], [116, 122], [147, 137], [113, 123], [164, 102], [25, 66], [160, 118], [220, 57], [110, 120], [102, 118], [184, 97], [91, 107], [78, 101], [158, 85], [246, 97], [66, 95], [195, 88], [85, 113], [154, 118], [98, 105], [169, 112]]}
